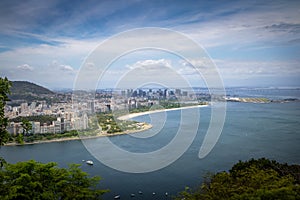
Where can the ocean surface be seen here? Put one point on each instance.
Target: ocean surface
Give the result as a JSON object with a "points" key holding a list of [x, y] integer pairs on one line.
{"points": [[251, 131]]}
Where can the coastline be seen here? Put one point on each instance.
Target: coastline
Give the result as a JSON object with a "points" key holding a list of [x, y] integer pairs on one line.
{"points": [[133, 115], [101, 134], [105, 134]]}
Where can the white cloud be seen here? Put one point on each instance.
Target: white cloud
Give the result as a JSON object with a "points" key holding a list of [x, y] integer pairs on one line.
{"points": [[187, 70], [71, 53], [238, 69], [142, 72], [243, 73], [246, 26], [89, 66], [270, 24], [203, 62], [48, 61], [151, 65], [202, 67], [242, 69], [25, 67], [67, 68]]}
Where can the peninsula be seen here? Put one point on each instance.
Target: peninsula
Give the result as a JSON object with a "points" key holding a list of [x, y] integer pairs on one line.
{"points": [[124, 126]]}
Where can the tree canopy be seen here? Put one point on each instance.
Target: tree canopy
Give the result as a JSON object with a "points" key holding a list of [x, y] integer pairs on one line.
{"points": [[5, 84], [253, 179], [34, 180], [27, 126]]}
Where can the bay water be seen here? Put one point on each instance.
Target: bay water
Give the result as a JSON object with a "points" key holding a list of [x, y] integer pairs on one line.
{"points": [[251, 130]]}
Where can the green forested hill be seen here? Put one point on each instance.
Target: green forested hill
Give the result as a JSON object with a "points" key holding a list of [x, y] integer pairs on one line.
{"points": [[24, 87], [23, 91]]}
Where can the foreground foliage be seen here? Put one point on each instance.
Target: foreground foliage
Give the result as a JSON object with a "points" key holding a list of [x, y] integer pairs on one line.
{"points": [[5, 84], [253, 179], [34, 180]]}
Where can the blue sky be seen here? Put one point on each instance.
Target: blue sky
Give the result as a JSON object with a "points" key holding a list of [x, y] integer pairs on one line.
{"points": [[253, 43]]}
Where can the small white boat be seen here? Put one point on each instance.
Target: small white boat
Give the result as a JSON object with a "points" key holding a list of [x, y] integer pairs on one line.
{"points": [[89, 162], [117, 197]]}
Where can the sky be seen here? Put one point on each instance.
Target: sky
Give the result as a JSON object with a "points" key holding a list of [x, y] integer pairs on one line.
{"points": [[252, 43]]}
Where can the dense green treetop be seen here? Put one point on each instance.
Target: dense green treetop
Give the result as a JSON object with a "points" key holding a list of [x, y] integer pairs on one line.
{"points": [[5, 85], [33, 180], [254, 179]]}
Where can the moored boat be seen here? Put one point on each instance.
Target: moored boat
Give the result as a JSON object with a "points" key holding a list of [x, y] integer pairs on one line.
{"points": [[89, 162]]}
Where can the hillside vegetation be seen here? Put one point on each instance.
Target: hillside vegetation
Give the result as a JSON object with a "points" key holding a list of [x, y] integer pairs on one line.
{"points": [[23, 91], [21, 87], [253, 179]]}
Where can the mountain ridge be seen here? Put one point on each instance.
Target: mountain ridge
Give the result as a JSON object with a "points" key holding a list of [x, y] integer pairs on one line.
{"points": [[24, 91], [19, 87]]}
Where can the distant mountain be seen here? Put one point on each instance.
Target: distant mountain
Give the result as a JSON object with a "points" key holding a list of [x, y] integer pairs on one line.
{"points": [[21, 87], [23, 91]]}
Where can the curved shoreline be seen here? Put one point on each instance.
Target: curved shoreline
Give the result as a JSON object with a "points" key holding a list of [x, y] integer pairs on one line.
{"points": [[101, 134], [133, 115], [104, 134]]}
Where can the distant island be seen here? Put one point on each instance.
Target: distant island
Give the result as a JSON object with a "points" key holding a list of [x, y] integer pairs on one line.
{"points": [[259, 100], [248, 100]]}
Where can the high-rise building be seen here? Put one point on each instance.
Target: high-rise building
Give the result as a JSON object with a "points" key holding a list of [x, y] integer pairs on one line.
{"points": [[91, 106], [177, 92], [123, 93], [24, 107], [57, 126], [129, 92], [185, 93], [165, 93], [62, 121], [134, 94], [36, 127], [33, 105]]}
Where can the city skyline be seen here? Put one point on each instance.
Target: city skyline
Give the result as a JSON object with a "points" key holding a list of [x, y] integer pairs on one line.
{"points": [[251, 43]]}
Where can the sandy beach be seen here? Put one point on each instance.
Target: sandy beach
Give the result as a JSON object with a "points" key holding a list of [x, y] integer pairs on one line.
{"points": [[105, 134], [132, 115]]}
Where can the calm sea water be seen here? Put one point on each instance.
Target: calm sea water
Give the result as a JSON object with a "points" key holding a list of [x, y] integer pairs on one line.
{"points": [[250, 131]]}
